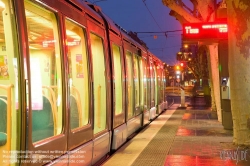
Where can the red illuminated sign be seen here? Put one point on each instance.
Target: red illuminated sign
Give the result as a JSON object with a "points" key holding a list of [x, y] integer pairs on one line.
{"points": [[202, 31]]}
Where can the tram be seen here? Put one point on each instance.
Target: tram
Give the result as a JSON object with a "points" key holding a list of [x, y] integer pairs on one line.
{"points": [[74, 86]]}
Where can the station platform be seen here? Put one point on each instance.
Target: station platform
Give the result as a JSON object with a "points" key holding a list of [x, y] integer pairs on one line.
{"points": [[190, 136]]}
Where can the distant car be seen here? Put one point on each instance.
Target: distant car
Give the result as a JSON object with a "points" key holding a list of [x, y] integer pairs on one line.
{"points": [[188, 90], [199, 91]]}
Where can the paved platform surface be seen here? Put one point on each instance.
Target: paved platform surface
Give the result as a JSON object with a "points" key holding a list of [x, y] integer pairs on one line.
{"points": [[182, 137]]}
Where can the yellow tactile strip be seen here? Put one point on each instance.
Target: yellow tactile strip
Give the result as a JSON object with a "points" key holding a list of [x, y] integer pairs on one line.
{"points": [[155, 153]]}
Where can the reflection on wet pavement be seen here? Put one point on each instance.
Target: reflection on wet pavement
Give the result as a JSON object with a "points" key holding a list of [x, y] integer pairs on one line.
{"points": [[180, 160], [202, 140], [193, 131]]}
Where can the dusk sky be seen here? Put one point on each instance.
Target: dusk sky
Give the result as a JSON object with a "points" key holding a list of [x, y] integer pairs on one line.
{"points": [[147, 16]]}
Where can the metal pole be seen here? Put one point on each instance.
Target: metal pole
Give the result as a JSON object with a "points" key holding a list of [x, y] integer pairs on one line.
{"points": [[182, 98]]}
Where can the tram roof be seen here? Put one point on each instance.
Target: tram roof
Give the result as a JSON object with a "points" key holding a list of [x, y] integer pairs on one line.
{"points": [[84, 6]]}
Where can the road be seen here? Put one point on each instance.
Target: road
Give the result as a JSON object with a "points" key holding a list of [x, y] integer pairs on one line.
{"points": [[176, 91]]}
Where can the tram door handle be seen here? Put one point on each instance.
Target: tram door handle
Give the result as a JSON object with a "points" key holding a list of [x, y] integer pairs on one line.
{"points": [[114, 98], [27, 96], [93, 99]]}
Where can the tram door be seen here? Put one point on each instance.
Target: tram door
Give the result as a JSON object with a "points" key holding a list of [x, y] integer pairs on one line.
{"points": [[45, 95], [79, 86], [152, 85], [161, 91], [100, 89], [148, 76], [156, 84], [99, 83], [144, 83], [136, 78], [159, 80], [143, 87], [10, 105], [101, 99], [119, 112], [130, 85]]}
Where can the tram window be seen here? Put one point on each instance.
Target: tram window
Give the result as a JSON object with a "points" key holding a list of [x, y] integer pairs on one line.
{"points": [[78, 75], [130, 85], [99, 80], [164, 84], [156, 84], [117, 76], [143, 82], [136, 82], [152, 85], [45, 69], [9, 86], [148, 85], [160, 84]]}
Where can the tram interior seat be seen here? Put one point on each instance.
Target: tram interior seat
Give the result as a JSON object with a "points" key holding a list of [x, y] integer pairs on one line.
{"points": [[3, 97], [74, 115], [3, 121], [42, 121]]}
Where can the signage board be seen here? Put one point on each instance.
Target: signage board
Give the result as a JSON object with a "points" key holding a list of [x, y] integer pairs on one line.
{"points": [[205, 31]]}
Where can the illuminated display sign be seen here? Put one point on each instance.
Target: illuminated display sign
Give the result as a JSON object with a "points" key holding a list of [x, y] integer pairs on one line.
{"points": [[203, 31]]}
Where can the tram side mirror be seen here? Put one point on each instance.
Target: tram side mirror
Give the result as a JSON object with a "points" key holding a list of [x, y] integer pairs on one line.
{"points": [[225, 88]]}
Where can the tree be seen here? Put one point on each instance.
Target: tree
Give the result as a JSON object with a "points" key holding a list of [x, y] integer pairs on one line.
{"points": [[239, 62], [203, 11], [198, 65]]}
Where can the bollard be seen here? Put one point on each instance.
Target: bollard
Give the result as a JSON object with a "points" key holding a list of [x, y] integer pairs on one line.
{"points": [[182, 97]]}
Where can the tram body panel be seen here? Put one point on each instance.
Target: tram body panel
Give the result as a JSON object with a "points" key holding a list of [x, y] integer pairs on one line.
{"points": [[79, 156], [134, 124], [62, 161], [152, 113], [101, 146], [119, 136], [146, 117]]}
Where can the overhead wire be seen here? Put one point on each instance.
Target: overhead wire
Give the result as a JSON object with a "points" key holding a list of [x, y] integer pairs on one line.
{"points": [[150, 34], [164, 47], [151, 15], [164, 32]]}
